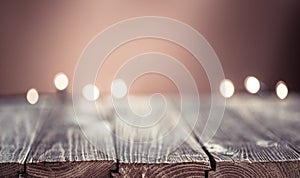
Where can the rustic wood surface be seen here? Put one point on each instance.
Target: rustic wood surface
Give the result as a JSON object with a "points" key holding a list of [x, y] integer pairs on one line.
{"points": [[18, 123], [258, 137], [62, 150], [244, 147], [164, 148], [282, 118]]}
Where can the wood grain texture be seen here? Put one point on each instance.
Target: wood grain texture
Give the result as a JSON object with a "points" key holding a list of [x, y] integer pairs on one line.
{"points": [[242, 147], [281, 117], [61, 149], [18, 121], [256, 169], [163, 148], [258, 137]]}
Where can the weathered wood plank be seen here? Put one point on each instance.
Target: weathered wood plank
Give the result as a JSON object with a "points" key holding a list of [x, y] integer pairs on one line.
{"points": [[61, 149], [242, 147], [281, 117], [18, 121], [163, 148]]}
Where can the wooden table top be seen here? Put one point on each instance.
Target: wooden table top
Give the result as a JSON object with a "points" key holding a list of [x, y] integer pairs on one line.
{"points": [[258, 137]]}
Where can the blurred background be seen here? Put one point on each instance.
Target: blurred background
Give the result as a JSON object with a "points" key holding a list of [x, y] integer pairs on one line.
{"points": [[41, 38]]}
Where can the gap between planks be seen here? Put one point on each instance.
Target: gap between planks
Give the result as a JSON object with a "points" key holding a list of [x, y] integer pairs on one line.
{"points": [[45, 101]]}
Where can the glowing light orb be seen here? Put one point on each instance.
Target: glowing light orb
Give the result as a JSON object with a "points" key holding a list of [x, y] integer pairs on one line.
{"points": [[61, 81], [32, 96], [118, 88], [281, 90], [90, 92], [252, 84], [227, 88]]}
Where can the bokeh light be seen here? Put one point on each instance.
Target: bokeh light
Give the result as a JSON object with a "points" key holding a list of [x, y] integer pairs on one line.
{"points": [[90, 92], [281, 90], [227, 88], [252, 84], [118, 88], [61, 81], [32, 96]]}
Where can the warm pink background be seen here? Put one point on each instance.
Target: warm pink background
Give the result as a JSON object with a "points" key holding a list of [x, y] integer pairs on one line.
{"points": [[40, 38]]}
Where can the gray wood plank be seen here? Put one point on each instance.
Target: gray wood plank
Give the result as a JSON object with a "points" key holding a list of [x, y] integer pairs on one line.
{"points": [[18, 122], [163, 149], [281, 117], [61, 149], [242, 147]]}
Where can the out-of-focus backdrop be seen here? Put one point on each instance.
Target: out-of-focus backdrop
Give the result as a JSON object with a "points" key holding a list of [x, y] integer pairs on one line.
{"points": [[41, 38]]}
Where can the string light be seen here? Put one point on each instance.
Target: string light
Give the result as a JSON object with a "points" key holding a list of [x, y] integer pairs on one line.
{"points": [[252, 84], [90, 92], [227, 88], [118, 88], [61, 81], [281, 90], [32, 96]]}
